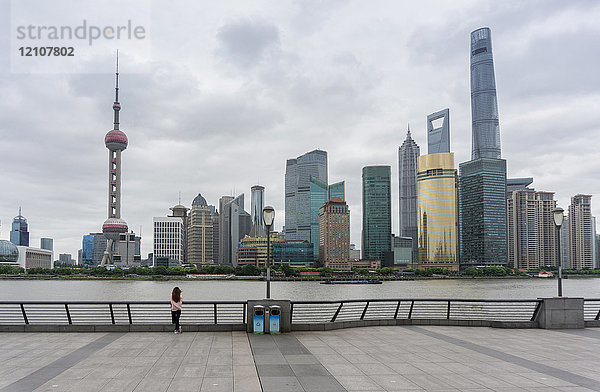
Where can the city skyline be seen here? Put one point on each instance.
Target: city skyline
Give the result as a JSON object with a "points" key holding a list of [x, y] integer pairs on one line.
{"points": [[351, 96]]}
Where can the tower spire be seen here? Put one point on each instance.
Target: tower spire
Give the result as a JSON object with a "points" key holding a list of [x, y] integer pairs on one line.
{"points": [[116, 104], [408, 133]]}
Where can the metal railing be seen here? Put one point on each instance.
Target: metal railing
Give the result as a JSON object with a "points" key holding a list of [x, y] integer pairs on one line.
{"points": [[119, 312], [509, 310], [591, 309]]}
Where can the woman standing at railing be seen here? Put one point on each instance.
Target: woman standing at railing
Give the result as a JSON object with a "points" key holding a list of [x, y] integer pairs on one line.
{"points": [[176, 304]]}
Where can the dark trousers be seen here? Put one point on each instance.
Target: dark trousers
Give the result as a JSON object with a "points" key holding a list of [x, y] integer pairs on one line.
{"points": [[175, 314]]}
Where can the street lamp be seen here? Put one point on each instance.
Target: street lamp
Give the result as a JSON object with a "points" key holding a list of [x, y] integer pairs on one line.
{"points": [[268, 217], [559, 216]]}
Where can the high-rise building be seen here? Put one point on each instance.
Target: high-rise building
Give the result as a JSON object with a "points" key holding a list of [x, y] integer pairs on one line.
{"points": [[407, 177], [438, 137], [484, 104], [531, 234], [565, 243], [19, 235], [116, 142], [320, 192], [293, 253], [200, 233], [257, 203], [297, 192], [93, 247], [235, 224], [181, 211], [168, 237], [377, 212], [482, 181], [438, 215], [334, 234], [580, 232], [216, 222], [223, 201], [482, 213], [47, 243]]}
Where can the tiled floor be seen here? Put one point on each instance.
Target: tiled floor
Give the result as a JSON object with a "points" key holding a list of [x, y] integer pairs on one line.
{"points": [[359, 359]]}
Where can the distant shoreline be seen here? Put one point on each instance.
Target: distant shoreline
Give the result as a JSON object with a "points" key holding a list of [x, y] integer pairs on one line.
{"points": [[276, 279]]}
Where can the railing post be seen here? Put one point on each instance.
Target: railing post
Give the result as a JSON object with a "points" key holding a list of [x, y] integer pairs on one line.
{"points": [[597, 316], [397, 308], [536, 311], [244, 312], [448, 313], [129, 314], [68, 314], [24, 314], [112, 314], [291, 312], [412, 303], [362, 316], [337, 312], [215, 312]]}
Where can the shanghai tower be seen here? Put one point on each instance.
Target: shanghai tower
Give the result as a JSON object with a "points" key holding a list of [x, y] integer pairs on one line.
{"points": [[484, 104]]}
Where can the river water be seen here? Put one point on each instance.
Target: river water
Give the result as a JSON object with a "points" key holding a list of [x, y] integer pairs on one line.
{"points": [[135, 290]]}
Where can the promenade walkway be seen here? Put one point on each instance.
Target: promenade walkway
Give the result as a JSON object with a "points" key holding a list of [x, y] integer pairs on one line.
{"points": [[394, 358]]}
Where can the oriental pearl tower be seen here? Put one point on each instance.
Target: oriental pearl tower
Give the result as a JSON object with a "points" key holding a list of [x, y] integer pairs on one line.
{"points": [[116, 141]]}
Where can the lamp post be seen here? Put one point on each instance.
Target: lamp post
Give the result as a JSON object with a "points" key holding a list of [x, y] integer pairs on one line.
{"points": [[268, 217], [559, 216]]}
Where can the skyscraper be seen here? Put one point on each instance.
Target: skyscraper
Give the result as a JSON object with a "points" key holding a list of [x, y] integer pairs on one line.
{"points": [[377, 212], [297, 192], [531, 232], [181, 211], [484, 104], [334, 234], [482, 181], [320, 192], [257, 203], [200, 233], [438, 138], [580, 232], [407, 177], [19, 235], [47, 243], [236, 223], [116, 142], [437, 198]]}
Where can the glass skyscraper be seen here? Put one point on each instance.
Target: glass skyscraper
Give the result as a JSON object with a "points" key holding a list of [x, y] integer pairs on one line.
{"points": [[407, 176], [19, 234], [482, 213], [298, 172], [484, 105], [320, 192], [257, 203], [482, 181], [377, 212], [438, 215], [438, 138]]}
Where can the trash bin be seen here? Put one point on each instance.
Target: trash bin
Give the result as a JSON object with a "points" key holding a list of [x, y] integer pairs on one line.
{"points": [[258, 319], [274, 317]]}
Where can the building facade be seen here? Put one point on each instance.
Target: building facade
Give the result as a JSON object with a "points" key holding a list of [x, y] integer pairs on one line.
{"points": [[320, 192], [235, 225], [531, 233], [407, 177], [93, 247], [438, 135], [482, 213], [298, 172], [484, 104], [257, 203], [169, 238], [377, 212], [181, 211], [47, 243], [334, 234], [19, 235], [253, 250], [35, 258], [438, 215], [581, 249], [200, 234], [293, 253]]}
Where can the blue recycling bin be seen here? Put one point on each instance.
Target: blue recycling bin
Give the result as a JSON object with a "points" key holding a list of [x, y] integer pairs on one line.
{"points": [[258, 319], [274, 317]]}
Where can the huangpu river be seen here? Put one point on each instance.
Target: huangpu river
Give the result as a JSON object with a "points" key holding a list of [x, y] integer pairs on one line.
{"points": [[202, 290]]}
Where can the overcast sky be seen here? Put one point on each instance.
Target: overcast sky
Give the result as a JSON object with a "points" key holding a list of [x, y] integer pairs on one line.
{"points": [[229, 90]]}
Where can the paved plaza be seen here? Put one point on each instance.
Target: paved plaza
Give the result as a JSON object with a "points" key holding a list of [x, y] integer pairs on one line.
{"points": [[436, 358]]}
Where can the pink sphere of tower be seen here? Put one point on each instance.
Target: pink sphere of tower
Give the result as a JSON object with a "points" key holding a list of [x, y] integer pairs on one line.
{"points": [[113, 228], [116, 140]]}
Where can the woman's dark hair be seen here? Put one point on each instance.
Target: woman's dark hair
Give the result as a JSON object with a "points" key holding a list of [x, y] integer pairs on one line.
{"points": [[176, 294]]}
